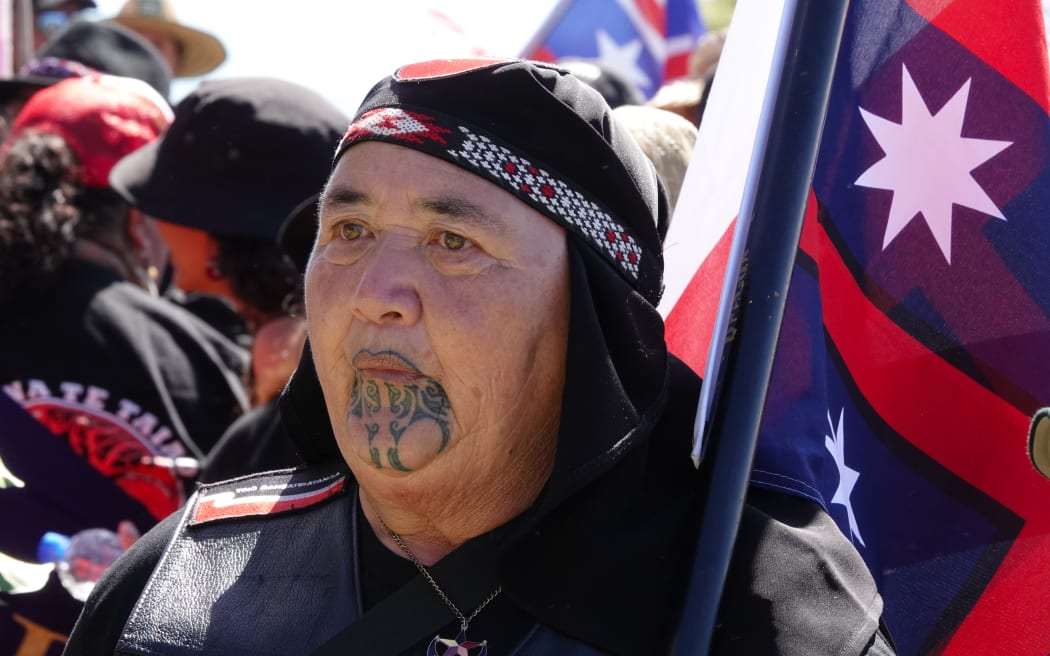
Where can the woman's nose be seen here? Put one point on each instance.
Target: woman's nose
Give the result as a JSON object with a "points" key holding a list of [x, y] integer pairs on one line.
{"points": [[386, 291]]}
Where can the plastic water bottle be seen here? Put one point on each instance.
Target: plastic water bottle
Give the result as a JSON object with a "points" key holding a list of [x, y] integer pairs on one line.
{"points": [[80, 560]]}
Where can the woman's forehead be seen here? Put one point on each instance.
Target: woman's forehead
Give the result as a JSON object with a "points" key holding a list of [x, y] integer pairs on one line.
{"points": [[374, 173]]}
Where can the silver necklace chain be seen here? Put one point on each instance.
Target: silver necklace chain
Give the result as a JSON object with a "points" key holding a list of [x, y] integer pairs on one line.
{"points": [[463, 620]]}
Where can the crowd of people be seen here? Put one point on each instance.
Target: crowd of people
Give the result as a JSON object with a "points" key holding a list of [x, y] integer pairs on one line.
{"points": [[374, 404]]}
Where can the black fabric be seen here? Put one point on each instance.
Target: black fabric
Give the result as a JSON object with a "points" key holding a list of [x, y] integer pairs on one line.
{"points": [[121, 376], [558, 122], [748, 605], [403, 613], [215, 311], [103, 47], [383, 572], [256, 442], [616, 88], [825, 602], [41, 5], [298, 232], [241, 154]]}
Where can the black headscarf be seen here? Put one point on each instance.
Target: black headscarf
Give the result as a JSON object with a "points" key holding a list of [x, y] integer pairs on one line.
{"points": [[539, 133]]}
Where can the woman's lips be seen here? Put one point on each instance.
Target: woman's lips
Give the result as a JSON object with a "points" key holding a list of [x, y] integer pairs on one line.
{"points": [[386, 365]]}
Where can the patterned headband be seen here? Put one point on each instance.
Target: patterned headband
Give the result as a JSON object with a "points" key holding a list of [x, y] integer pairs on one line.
{"points": [[487, 156]]}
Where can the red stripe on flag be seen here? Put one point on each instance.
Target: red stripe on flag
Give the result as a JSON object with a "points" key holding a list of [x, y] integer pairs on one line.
{"points": [[691, 321], [939, 409], [1008, 36], [676, 67], [965, 427], [654, 13], [543, 54], [1012, 615]]}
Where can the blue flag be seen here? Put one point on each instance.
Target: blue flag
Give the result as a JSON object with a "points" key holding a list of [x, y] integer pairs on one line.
{"points": [[647, 41]]}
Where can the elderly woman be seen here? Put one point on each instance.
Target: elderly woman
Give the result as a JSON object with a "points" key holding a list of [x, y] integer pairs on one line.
{"points": [[499, 437]]}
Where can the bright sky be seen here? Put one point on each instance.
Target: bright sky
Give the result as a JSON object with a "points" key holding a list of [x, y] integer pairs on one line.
{"points": [[340, 48]]}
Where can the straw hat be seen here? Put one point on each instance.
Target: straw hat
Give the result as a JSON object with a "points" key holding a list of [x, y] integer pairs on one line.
{"points": [[200, 52], [87, 47]]}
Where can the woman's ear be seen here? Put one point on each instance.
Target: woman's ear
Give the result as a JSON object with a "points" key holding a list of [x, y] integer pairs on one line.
{"points": [[148, 250]]}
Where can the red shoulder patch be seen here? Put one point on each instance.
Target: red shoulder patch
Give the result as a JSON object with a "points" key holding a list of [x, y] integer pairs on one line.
{"points": [[442, 68], [266, 494]]}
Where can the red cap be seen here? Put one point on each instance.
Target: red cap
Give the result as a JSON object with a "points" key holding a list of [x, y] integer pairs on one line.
{"points": [[101, 117]]}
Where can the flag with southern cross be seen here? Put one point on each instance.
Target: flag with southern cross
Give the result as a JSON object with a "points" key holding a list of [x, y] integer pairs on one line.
{"points": [[647, 41], [916, 342]]}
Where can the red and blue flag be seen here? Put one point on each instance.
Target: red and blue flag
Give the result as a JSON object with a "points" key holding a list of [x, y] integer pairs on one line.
{"points": [[647, 41], [916, 341], [916, 338]]}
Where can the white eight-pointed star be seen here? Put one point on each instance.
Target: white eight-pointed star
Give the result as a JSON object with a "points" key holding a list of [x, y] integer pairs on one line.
{"points": [[928, 163]]}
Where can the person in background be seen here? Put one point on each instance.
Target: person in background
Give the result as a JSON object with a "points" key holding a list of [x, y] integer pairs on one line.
{"points": [[239, 156], [687, 97], [80, 267], [139, 389], [258, 441], [52, 16], [81, 49], [682, 97], [666, 139], [497, 436], [189, 52], [614, 86]]}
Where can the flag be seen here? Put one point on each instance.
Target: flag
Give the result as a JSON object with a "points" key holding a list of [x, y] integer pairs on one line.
{"points": [[7, 39], [916, 341], [45, 486], [700, 243], [754, 161], [647, 41]]}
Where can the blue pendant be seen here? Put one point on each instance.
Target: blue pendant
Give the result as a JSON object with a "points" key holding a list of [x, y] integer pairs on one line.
{"points": [[459, 647]]}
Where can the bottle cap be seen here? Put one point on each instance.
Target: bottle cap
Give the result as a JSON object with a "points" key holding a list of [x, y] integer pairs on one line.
{"points": [[52, 547]]}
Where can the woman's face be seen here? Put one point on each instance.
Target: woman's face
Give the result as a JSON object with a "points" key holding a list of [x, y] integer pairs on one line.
{"points": [[437, 309]]}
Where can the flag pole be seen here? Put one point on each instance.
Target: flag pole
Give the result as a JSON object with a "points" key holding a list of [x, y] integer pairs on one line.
{"points": [[769, 224], [552, 20]]}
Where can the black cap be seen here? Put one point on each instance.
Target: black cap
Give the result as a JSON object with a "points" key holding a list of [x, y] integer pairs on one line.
{"points": [[240, 155], [44, 5], [615, 87], [102, 48], [540, 133]]}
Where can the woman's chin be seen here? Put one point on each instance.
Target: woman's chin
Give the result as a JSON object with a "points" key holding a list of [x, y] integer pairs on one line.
{"points": [[410, 454]]}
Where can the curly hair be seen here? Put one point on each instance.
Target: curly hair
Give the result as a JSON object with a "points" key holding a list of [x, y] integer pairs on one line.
{"points": [[260, 274], [38, 211]]}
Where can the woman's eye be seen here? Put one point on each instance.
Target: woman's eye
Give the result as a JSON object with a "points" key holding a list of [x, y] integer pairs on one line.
{"points": [[452, 241], [351, 231]]}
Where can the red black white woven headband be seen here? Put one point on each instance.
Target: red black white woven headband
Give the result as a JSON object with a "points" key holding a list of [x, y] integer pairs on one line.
{"points": [[487, 156]]}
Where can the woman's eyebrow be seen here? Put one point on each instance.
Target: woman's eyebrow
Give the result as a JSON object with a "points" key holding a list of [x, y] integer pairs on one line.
{"points": [[344, 196], [462, 210]]}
